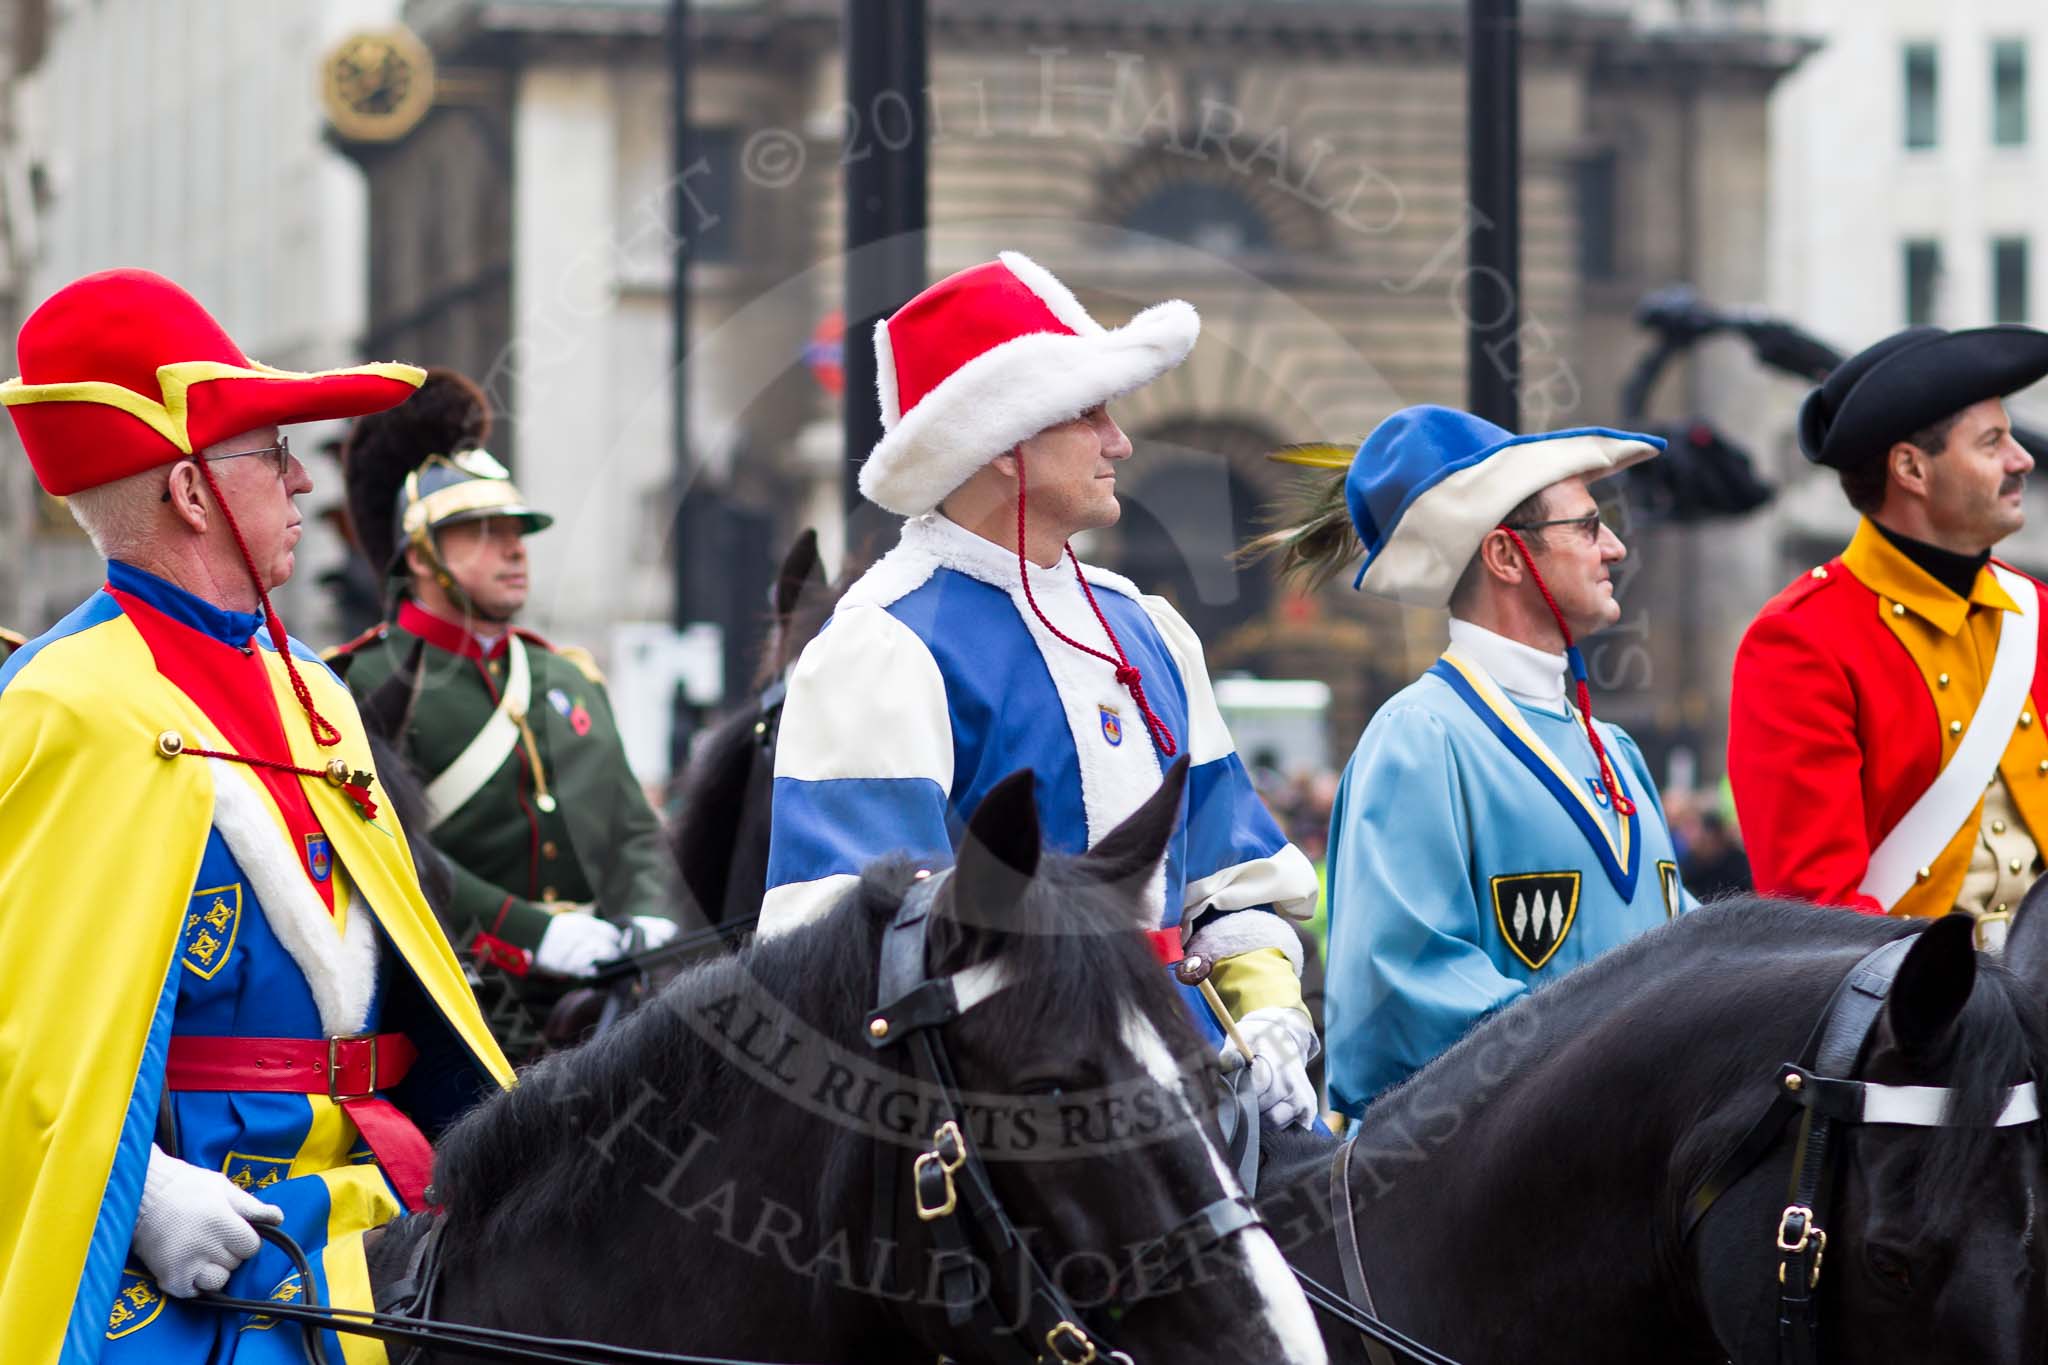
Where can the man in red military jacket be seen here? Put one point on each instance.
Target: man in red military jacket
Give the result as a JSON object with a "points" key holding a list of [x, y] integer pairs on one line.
{"points": [[1885, 742]]}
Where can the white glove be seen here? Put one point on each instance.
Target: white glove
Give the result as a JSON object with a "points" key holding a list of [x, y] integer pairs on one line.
{"points": [[654, 930], [576, 941], [1283, 1043], [193, 1227]]}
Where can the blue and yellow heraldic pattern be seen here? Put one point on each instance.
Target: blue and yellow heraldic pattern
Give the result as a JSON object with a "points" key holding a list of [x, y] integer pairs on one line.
{"points": [[213, 920], [213, 930], [1471, 859]]}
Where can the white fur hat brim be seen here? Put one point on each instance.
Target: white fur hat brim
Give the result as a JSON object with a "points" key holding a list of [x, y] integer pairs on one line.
{"points": [[1428, 548], [1012, 392]]}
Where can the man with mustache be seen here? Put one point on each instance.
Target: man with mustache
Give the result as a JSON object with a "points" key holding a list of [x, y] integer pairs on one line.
{"points": [[558, 860], [1884, 741], [1488, 836]]}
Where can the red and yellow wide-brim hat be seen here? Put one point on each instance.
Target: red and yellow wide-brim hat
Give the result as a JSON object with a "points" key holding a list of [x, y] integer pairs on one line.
{"points": [[124, 371]]}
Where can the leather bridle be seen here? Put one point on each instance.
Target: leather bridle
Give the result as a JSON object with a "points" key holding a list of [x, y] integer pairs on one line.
{"points": [[1821, 1089], [950, 1188]]}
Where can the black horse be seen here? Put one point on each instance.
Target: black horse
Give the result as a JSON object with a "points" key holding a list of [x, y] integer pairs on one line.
{"points": [[720, 838], [732, 1169], [1523, 1197]]}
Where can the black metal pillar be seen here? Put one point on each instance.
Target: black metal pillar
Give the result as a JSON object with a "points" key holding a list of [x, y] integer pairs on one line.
{"points": [[885, 200], [1493, 180], [688, 605]]}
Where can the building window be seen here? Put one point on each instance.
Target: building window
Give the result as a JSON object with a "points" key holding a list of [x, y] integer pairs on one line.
{"points": [[1217, 219], [1923, 275], [2009, 93], [2009, 280], [1922, 87], [1597, 188]]}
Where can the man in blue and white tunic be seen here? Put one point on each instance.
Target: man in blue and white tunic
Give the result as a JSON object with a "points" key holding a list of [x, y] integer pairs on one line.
{"points": [[1488, 834], [981, 645]]}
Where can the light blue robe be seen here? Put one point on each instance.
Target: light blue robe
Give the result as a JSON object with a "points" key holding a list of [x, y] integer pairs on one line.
{"points": [[1459, 876]]}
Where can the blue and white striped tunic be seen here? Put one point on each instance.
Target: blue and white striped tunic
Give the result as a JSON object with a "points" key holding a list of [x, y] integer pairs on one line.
{"points": [[934, 680]]}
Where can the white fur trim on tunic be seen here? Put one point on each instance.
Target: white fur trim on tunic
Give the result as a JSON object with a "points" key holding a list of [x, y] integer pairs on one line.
{"points": [[340, 968], [1115, 781], [1013, 391], [1221, 936], [1430, 546]]}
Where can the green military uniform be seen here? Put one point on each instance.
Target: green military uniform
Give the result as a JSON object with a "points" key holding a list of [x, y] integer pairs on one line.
{"points": [[529, 795], [578, 830]]}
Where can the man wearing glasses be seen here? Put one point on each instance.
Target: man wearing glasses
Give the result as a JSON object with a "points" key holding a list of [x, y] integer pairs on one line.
{"points": [[224, 1002], [557, 858], [1488, 834]]}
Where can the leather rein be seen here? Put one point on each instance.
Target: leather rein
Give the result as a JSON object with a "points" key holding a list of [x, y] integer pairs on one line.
{"points": [[951, 1192]]}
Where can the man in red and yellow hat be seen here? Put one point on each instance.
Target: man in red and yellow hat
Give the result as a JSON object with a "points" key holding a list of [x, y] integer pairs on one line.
{"points": [[225, 1001], [1884, 744]]}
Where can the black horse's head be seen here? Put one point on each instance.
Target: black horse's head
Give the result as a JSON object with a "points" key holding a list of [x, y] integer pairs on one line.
{"points": [[748, 1137], [1932, 1246], [1094, 1094]]}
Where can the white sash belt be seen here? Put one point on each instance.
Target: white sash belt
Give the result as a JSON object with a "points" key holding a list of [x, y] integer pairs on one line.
{"points": [[1941, 810], [493, 744]]}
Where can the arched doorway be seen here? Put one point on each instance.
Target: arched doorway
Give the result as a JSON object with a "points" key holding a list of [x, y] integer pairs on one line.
{"points": [[1194, 494]]}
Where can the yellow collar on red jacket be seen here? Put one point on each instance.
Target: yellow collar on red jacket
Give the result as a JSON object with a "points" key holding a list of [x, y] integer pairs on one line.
{"points": [[1880, 566]]}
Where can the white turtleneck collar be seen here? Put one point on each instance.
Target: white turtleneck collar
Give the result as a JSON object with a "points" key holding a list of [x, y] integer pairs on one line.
{"points": [[1534, 677], [949, 543]]}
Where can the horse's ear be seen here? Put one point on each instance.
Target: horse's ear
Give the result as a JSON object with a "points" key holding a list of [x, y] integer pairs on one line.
{"points": [[999, 856], [1934, 983], [2026, 947], [1135, 847], [799, 567]]}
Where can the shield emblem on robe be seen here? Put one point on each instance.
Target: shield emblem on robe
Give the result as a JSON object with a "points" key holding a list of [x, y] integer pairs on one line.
{"points": [[213, 919], [1535, 912], [319, 857], [1112, 725]]}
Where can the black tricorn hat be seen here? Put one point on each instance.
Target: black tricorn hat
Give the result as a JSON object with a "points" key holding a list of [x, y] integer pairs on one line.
{"points": [[1908, 382]]}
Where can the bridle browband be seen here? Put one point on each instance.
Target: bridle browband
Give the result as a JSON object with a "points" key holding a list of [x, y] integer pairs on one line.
{"points": [[951, 1191], [1821, 1088]]}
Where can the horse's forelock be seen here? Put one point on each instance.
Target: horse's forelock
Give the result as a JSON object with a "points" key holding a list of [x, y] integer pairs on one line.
{"points": [[1999, 1041]]}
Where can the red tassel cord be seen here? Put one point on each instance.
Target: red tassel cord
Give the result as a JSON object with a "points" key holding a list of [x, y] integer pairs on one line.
{"points": [[354, 784], [1127, 675], [1622, 805]]}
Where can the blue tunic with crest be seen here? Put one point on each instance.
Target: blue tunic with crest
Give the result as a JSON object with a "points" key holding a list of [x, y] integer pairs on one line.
{"points": [[1474, 854]]}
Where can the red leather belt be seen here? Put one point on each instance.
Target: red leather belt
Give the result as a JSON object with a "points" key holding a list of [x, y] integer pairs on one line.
{"points": [[1166, 944], [350, 1071]]}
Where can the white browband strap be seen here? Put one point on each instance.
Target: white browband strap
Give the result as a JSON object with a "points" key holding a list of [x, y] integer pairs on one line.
{"points": [[1922, 1106], [972, 985]]}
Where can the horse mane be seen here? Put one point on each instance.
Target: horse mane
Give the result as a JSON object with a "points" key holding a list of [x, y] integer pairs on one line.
{"points": [[712, 799], [544, 1159], [712, 793], [1999, 1040]]}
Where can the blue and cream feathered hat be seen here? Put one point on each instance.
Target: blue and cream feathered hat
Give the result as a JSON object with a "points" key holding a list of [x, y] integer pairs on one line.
{"points": [[1429, 482]]}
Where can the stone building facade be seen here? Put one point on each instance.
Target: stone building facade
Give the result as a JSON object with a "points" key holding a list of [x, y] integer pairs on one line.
{"points": [[1293, 169]]}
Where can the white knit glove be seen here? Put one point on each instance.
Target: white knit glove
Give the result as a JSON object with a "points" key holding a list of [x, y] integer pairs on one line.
{"points": [[654, 930], [1283, 1043], [193, 1228], [575, 942]]}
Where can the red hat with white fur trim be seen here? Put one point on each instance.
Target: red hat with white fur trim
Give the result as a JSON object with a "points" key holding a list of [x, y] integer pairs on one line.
{"points": [[992, 356]]}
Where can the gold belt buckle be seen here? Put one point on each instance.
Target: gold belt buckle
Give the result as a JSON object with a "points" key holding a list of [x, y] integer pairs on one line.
{"points": [[334, 1066]]}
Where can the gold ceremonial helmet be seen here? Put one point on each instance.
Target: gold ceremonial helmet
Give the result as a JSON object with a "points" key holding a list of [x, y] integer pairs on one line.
{"points": [[469, 485]]}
